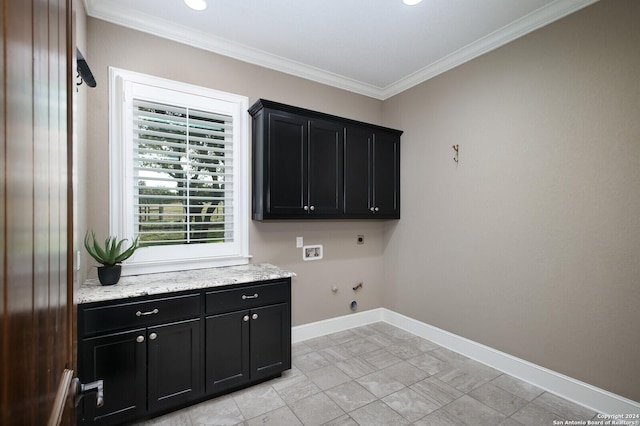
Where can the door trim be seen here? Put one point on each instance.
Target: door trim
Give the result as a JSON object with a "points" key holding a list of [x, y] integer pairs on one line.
{"points": [[61, 398]]}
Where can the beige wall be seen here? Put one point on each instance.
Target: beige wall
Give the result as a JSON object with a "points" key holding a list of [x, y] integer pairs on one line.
{"points": [[344, 264], [530, 244]]}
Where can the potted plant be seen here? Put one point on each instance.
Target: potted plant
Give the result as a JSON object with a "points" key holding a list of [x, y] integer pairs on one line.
{"points": [[110, 255]]}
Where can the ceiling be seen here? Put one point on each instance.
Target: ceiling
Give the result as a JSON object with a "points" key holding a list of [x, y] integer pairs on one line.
{"points": [[377, 48]]}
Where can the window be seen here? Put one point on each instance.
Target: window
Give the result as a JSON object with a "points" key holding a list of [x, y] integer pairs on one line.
{"points": [[178, 167]]}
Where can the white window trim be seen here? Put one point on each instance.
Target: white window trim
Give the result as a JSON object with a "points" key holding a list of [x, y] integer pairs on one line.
{"points": [[120, 167]]}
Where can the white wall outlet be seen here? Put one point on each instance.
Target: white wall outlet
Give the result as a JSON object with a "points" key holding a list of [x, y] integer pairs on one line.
{"points": [[299, 242], [312, 252]]}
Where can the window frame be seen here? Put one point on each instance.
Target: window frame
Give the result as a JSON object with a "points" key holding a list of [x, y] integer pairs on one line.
{"points": [[123, 85]]}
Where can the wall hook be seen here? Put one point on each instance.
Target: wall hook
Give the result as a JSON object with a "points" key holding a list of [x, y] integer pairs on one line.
{"points": [[456, 149], [84, 72]]}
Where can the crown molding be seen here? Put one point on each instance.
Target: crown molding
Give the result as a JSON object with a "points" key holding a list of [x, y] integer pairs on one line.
{"points": [[152, 25], [169, 30], [523, 26]]}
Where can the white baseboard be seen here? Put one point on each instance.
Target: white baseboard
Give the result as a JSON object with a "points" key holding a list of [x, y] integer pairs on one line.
{"points": [[334, 325], [566, 387]]}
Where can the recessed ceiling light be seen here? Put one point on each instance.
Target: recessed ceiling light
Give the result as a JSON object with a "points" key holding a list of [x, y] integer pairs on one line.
{"points": [[197, 4], [411, 2]]}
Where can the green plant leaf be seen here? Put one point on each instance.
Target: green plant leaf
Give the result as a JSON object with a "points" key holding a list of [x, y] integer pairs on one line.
{"points": [[128, 252], [110, 253], [89, 248], [101, 253]]}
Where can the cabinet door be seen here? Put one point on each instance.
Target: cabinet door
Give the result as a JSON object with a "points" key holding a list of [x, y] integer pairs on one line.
{"points": [[325, 181], [226, 351], [358, 173], [270, 340], [286, 189], [118, 359], [386, 175], [174, 363]]}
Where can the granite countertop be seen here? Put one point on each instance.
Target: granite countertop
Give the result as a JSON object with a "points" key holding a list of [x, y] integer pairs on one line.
{"points": [[167, 282]]}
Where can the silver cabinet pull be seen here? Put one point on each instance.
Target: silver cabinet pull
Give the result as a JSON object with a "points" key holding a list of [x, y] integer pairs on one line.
{"points": [[372, 208], [312, 208], [254, 316], [245, 318], [377, 209], [139, 313], [153, 336], [305, 208], [250, 296], [140, 339]]}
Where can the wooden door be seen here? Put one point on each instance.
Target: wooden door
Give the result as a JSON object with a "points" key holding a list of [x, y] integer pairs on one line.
{"points": [[36, 294]]}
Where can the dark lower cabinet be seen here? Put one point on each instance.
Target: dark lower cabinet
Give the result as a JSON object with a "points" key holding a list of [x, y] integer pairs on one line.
{"points": [[174, 372], [226, 351], [143, 370], [247, 346], [270, 336], [120, 360], [229, 338]]}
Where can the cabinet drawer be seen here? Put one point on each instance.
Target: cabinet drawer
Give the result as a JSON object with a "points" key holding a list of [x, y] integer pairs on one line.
{"points": [[141, 313], [246, 297]]}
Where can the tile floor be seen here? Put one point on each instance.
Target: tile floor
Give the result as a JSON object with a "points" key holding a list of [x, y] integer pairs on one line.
{"points": [[381, 375]]}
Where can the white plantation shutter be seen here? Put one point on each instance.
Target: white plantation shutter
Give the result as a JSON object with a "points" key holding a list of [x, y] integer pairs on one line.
{"points": [[178, 173], [183, 174]]}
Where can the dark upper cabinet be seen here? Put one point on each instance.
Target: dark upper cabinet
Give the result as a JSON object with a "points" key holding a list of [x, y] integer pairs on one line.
{"points": [[326, 143], [386, 175], [310, 165], [301, 167], [372, 173], [285, 157], [358, 176]]}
